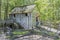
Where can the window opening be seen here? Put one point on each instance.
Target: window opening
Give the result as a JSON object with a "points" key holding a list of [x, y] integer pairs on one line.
{"points": [[14, 15], [26, 14]]}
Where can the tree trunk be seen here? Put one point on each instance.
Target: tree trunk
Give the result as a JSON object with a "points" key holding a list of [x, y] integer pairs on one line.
{"points": [[0, 8], [6, 11]]}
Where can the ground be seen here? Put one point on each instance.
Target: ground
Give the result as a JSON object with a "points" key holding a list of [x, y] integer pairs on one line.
{"points": [[29, 37], [34, 37]]}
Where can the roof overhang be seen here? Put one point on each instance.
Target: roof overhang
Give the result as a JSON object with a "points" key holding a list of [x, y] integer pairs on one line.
{"points": [[23, 9]]}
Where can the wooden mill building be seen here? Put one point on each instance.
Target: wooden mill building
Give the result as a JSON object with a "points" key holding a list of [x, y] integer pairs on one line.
{"points": [[23, 15]]}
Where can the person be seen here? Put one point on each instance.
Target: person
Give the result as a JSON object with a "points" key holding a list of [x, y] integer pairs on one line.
{"points": [[37, 21]]}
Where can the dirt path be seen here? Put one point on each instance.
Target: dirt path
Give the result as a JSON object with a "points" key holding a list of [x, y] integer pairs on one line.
{"points": [[29, 37], [34, 37], [51, 29], [2, 36]]}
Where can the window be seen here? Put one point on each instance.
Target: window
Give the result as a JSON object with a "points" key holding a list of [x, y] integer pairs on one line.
{"points": [[14, 15], [26, 14]]}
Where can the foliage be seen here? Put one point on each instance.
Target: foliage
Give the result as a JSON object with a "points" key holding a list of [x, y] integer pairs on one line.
{"points": [[20, 33], [49, 9]]}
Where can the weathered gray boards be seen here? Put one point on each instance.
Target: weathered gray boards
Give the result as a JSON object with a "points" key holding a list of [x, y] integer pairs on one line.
{"points": [[23, 16]]}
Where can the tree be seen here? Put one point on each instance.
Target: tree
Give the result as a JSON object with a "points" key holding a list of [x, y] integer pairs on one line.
{"points": [[0, 8], [6, 10], [49, 9]]}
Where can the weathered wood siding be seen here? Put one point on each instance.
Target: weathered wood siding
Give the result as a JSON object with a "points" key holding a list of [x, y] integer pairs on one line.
{"points": [[23, 20]]}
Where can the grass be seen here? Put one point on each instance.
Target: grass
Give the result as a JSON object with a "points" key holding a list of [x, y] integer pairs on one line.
{"points": [[15, 33], [0, 32], [58, 39], [20, 32]]}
